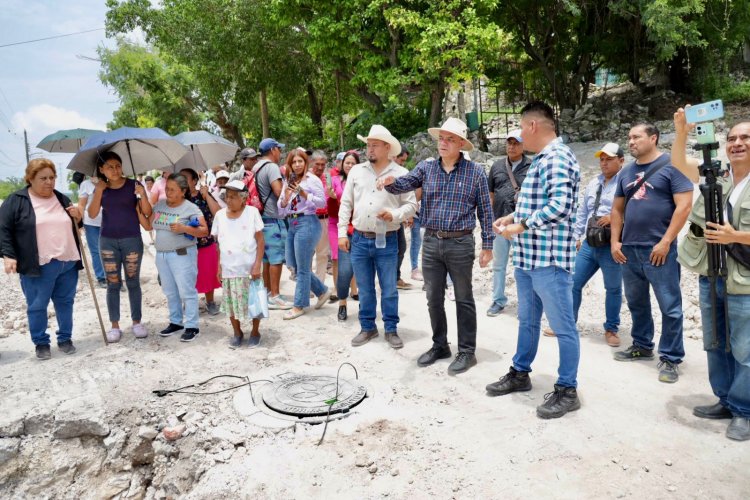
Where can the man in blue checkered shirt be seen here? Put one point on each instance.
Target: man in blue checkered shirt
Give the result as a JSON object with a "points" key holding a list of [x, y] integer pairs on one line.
{"points": [[455, 193], [544, 256]]}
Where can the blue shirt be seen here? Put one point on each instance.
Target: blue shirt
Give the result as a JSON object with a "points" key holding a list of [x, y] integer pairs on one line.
{"points": [[450, 200], [649, 211], [586, 207], [548, 199]]}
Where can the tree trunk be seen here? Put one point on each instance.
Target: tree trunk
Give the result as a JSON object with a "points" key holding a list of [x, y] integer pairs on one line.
{"points": [[373, 100], [316, 109], [437, 94], [338, 110], [264, 113]]}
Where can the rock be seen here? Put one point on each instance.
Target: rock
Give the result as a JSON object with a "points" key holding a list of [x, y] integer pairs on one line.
{"points": [[147, 432], [9, 449], [142, 453], [82, 416], [361, 461], [164, 449], [11, 420], [394, 472], [372, 469], [114, 486], [668, 463], [174, 433], [8, 323], [223, 434], [114, 443], [672, 488], [39, 421]]}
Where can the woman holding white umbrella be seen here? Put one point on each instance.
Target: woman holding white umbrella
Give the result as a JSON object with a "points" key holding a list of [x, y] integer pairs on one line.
{"points": [[120, 244]]}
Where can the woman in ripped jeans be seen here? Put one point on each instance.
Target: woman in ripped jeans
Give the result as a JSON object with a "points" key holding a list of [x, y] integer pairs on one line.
{"points": [[120, 243]]}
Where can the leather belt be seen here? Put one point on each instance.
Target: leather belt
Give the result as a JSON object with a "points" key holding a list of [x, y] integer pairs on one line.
{"points": [[370, 235], [447, 234], [322, 216]]}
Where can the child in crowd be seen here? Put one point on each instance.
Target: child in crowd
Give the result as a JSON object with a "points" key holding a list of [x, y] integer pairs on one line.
{"points": [[238, 230]]}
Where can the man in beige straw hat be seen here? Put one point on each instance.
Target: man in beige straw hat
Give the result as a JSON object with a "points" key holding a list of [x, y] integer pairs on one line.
{"points": [[371, 212], [454, 193]]}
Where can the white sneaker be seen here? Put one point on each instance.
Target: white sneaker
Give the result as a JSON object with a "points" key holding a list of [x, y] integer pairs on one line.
{"points": [[278, 303], [114, 335]]}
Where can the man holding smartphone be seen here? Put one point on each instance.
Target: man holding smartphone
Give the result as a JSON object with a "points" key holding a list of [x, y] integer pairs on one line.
{"points": [[728, 372]]}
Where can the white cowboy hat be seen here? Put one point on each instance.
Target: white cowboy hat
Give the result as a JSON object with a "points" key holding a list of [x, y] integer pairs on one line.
{"points": [[381, 133], [456, 127]]}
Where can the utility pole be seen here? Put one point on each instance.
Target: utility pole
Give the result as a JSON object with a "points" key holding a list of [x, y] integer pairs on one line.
{"points": [[26, 144]]}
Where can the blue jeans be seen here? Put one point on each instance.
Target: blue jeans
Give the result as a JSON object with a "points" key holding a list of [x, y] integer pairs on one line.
{"points": [[441, 260], [728, 372], [588, 262], [366, 262], [500, 252], [549, 290], [58, 281], [301, 240], [178, 274], [637, 274], [416, 243], [117, 253], [92, 240], [346, 273]]}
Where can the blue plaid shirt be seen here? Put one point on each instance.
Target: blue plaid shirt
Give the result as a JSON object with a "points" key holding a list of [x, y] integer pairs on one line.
{"points": [[548, 201], [451, 200]]}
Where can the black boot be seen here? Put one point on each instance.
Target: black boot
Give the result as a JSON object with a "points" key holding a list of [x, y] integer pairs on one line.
{"points": [[513, 381], [559, 402], [342, 313]]}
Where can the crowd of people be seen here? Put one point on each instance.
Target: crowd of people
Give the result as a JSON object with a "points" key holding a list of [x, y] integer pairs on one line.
{"points": [[236, 230]]}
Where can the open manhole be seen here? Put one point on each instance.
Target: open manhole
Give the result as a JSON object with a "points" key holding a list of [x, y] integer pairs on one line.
{"points": [[308, 397]]}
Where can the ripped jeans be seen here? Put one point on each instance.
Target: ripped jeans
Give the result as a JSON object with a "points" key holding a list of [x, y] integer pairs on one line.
{"points": [[117, 253]]}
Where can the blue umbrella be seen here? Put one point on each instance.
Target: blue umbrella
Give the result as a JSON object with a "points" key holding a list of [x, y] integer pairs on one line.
{"points": [[206, 150], [141, 150]]}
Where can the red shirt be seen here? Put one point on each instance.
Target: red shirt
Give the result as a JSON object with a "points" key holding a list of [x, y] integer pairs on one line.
{"points": [[323, 211], [333, 203]]}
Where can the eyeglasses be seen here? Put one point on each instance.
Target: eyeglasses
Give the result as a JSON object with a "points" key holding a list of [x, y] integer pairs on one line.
{"points": [[741, 137]]}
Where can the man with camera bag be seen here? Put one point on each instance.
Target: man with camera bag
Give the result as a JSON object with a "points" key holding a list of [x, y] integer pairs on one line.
{"points": [[653, 201], [592, 235], [728, 372]]}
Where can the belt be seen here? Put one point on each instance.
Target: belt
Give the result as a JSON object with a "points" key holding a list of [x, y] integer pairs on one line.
{"points": [[297, 216], [322, 216], [370, 235], [447, 234]]}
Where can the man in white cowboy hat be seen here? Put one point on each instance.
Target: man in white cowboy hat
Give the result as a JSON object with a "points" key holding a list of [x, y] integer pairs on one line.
{"points": [[544, 254], [454, 194], [365, 205]]}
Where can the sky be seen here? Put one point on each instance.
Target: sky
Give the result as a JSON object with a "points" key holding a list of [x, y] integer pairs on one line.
{"points": [[47, 86]]}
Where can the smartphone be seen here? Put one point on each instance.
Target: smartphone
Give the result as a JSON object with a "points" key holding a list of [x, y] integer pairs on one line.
{"points": [[705, 112], [706, 135]]}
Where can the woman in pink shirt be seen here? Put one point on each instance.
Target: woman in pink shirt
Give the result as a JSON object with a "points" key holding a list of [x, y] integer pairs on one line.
{"points": [[37, 241]]}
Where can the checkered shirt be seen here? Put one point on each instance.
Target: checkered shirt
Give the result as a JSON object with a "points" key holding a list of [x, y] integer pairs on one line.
{"points": [[548, 201]]}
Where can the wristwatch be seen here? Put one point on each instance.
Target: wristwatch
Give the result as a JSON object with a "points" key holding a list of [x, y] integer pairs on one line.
{"points": [[523, 224]]}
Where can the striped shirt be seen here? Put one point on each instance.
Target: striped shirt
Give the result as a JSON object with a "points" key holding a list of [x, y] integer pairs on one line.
{"points": [[548, 201], [451, 201]]}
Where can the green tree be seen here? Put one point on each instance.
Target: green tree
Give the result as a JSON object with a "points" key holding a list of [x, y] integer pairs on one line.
{"points": [[9, 186]]}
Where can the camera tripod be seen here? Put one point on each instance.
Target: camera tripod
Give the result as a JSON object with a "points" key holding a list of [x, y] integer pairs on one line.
{"points": [[717, 253]]}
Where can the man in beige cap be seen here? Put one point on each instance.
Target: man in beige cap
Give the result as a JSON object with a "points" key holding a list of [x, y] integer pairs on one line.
{"points": [[454, 194], [371, 210]]}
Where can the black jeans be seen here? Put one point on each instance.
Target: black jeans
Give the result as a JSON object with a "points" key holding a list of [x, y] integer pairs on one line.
{"points": [[401, 250], [454, 256]]}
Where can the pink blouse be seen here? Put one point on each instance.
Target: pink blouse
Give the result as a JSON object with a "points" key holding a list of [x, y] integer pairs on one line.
{"points": [[54, 235]]}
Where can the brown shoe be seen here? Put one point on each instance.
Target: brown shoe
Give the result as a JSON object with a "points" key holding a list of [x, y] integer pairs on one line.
{"points": [[613, 340], [394, 340], [548, 332], [403, 285], [364, 337]]}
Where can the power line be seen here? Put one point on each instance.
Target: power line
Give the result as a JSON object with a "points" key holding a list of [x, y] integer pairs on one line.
{"points": [[7, 101], [49, 38]]}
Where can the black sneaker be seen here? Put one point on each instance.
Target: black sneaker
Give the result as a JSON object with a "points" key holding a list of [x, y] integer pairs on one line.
{"points": [[634, 353], [433, 355], [172, 328], [513, 381], [463, 361], [43, 352], [235, 342], [715, 411], [67, 347], [668, 372], [189, 335], [558, 403]]}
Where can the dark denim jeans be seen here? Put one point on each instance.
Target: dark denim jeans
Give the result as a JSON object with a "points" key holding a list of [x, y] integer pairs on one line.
{"points": [[588, 262], [58, 283], [302, 238], [549, 290], [439, 258], [346, 273], [728, 372], [92, 240], [366, 262], [401, 250], [637, 274], [117, 253]]}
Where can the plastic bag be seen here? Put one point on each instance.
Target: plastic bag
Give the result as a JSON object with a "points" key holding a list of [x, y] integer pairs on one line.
{"points": [[257, 307]]}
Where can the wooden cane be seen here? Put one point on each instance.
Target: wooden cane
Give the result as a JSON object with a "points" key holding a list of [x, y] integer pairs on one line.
{"points": [[90, 279]]}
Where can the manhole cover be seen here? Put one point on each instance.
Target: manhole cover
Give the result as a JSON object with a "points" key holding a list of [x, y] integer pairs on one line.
{"points": [[306, 395]]}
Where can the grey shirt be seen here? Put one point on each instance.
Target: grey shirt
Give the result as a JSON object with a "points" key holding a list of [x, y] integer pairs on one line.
{"points": [[166, 240], [266, 172], [501, 187]]}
